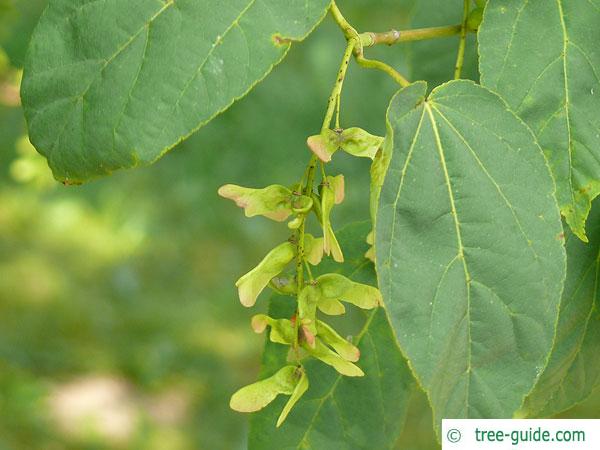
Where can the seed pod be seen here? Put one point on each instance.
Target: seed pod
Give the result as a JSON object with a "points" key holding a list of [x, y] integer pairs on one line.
{"points": [[324, 145], [256, 396], [282, 330], [296, 223], [299, 390], [332, 194], [275, 202], [252, 284], [358, 142], [301, 204], [307, 310], [337, 287], [284, 284], [317, 207], [481, 3], [331, 307], [328, 356], [330, 337], [313, 249], [354, 141]]}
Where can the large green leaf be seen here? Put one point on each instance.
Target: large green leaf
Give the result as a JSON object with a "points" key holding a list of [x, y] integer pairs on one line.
{"points": [[469, 249], [111, 84], [543, 58], [341, 412], [574, 367]]}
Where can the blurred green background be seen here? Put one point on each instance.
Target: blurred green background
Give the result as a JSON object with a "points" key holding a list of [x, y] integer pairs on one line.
{"points": [[120, 326]]}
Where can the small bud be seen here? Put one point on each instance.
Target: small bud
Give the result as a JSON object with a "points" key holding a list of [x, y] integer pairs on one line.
{"points": [[309, 336], [284, 284], [301, 204], [307, 308], [358, 142], [296, 223], [252, 284]]}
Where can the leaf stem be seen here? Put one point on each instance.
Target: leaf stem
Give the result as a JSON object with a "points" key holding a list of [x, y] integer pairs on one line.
{"points": [[299, 276], [309, 271], [369, 39], [339, 84], [309, 175], [460, 59], [356, 40], [348, 30], [380, 65]]}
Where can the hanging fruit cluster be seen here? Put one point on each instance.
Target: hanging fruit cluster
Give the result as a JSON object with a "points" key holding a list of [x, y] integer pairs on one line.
{"points": [[305, 334]]}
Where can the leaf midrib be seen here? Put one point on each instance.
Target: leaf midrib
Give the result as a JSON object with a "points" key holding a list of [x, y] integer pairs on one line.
{"points": [[460, 246]]}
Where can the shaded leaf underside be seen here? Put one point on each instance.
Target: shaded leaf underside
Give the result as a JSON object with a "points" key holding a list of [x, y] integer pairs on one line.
{"points": [[110, 84], [469, 249], [574, 367]]}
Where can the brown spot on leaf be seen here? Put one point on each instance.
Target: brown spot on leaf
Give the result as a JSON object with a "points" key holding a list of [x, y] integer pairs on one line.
{"points": [[281, 41]]}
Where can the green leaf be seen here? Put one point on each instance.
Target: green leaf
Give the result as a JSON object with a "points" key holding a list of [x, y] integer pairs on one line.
{"points": [[469, 249], [574, 367], [542, 57], [338, 412], [113, 84]]}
